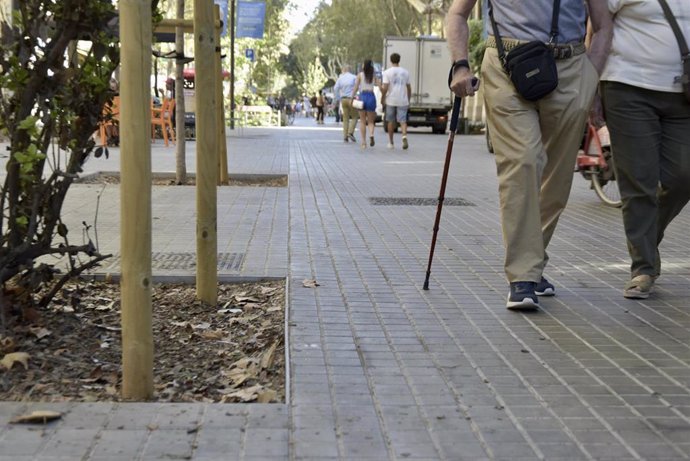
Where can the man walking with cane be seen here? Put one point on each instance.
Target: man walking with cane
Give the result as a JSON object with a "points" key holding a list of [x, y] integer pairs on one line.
{"points": [[342, 92], [535, 136]]}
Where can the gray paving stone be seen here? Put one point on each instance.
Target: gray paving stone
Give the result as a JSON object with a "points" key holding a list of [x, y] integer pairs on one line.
{"points": [[65, 442], [24, 441], [214, 443], [119, 443], [370, 340], [172, 443]]}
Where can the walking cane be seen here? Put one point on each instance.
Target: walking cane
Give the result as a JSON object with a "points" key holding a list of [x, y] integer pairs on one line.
{"points": [[441, 195]]}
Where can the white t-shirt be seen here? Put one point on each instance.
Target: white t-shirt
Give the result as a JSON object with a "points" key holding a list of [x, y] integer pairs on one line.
{"points": [[645, 52], [397, 79]]}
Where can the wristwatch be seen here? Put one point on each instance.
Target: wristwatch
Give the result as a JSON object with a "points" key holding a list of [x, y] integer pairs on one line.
{"points": [[460, 63]]}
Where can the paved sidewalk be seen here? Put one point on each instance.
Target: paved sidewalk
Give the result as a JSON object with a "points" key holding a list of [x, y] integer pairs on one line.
{"points": [[379, 368]]}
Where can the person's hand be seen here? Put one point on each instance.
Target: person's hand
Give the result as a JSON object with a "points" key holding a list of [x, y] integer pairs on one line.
{"points": [[596, 113], [464, 82]]}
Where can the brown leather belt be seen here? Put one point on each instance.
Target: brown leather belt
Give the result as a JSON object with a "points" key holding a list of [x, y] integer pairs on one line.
{"points": [[559, 51]]}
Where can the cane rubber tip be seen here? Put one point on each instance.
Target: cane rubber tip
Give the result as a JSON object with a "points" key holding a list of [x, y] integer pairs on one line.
{"points": [[426, 286]]}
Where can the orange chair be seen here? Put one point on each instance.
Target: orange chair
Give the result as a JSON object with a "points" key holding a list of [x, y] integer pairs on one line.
{"points": [[162, 117], [114, 110]]}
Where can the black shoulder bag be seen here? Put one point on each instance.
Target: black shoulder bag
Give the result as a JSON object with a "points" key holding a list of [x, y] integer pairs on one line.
{"points": [[532, 65], [682, 44]]}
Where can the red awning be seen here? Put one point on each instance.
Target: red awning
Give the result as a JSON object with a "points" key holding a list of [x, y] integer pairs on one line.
{"points": [[189, 73]]}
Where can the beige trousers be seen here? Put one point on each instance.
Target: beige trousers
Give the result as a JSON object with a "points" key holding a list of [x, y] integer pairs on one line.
{"points": [[535, 144], [350, 116]]}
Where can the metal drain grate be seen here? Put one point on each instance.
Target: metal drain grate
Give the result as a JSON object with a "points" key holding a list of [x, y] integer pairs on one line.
{"points": [[418, 201], [183, 261]]}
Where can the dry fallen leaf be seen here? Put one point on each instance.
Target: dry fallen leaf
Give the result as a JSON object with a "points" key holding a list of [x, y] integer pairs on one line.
{"points": [[39, 332], [6, 344], [268, 356], [246, 299], [243, 363], [266, 396], [267, 290], [238, 376], [310, 283], [213, 334], [15, 357], [37, 417], [246, 395], [111, 390]]}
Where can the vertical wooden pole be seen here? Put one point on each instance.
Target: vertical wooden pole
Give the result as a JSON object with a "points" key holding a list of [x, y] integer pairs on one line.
{"points": [[181, 146], [231, 29], [222, 141], [135, 199], [206, 153]]}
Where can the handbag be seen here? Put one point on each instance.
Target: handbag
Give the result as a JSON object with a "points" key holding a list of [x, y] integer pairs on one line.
{"points": [[682, 44], [531, 66], [358, 104]]}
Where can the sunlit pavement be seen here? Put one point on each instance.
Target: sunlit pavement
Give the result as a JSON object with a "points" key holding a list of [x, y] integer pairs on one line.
{"points": [[379, 368]]}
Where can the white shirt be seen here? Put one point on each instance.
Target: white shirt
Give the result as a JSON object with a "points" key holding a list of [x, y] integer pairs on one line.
{"points": [[397, 79], [645, 52]]}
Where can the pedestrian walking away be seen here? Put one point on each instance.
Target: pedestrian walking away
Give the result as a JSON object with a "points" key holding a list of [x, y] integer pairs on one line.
{"points": [[395, 97], [365, 83], [320, 102], [342, 91], [535, 134], [648, 117]]}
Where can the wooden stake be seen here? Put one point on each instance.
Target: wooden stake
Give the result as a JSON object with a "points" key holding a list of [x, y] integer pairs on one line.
{"points": [[222, 141], [135, 199], [206, 153], [181, 146]]}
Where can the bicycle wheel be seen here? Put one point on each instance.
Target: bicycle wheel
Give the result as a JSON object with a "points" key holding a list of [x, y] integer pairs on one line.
{"points": [[607, 191], [604, 182]]}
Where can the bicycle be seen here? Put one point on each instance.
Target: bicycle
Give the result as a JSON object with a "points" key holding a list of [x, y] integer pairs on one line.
{"points": [[595, 163]]}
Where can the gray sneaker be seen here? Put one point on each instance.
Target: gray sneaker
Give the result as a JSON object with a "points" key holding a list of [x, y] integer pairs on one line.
{"points": [[404, 143], [640, 287]]}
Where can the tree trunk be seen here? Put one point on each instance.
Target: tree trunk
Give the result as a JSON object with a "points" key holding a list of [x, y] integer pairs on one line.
{"points": [[180, 148]]}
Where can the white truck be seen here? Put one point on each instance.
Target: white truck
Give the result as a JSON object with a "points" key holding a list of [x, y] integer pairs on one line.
{"points": [[428, 61]]}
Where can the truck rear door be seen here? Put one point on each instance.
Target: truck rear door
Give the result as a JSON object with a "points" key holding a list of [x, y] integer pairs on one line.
{"points": [[434, 62]]}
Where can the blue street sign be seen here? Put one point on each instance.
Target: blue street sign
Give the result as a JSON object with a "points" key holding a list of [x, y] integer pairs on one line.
{"points": [[249, 54], [250, 19]]}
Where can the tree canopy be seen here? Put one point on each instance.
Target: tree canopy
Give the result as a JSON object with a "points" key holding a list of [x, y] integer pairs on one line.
{"points": [[348, 31]]}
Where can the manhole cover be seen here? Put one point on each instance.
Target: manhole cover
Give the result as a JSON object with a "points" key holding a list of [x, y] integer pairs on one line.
{"points": [[184, 261], [418, 201]]}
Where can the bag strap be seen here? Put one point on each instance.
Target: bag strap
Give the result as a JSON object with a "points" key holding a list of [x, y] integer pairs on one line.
{"points": [[553, 38], [682, 44], [554, 22]]}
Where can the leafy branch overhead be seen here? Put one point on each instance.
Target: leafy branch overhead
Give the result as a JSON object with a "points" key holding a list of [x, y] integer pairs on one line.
{"points": [[52, 99]]}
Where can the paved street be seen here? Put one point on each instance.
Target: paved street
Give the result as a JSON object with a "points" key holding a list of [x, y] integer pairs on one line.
{"points": [[380, 369]]}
